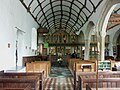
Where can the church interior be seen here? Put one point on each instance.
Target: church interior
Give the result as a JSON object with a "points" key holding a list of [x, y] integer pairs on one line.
{"points": [[60, 45]]}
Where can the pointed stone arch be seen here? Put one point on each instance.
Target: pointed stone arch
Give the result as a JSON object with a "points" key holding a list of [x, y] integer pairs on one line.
{"points": [[102, 24], [81, 37], [88, 33], [105, 14]]}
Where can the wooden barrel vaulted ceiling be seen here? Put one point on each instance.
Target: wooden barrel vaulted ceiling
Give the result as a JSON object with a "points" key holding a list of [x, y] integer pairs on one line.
{"points": [[66, 15], [114, 19]]}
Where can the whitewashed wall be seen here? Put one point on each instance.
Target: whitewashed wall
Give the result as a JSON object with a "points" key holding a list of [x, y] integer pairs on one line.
{"points": [[13, 14]]}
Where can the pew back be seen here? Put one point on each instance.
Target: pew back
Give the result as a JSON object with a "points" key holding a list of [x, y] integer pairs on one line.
{"points": [[19, 83], [105, 79], [88, 87], [78, 65], [102, 82], [21, 77], [39, 66]]}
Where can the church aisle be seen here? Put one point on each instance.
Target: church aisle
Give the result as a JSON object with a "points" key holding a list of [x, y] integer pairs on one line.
{"points": [[60, 72], [59, 83], [59, 79]]}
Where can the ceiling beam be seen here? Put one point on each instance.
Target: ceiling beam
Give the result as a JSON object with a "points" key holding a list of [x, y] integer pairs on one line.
{"points": [[113, 25]]}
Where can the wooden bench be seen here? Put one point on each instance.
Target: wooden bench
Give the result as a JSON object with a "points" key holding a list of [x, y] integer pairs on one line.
{"points": [[29, 59], [71, 63], [111, 74], [102, 83], [39, 66], [91, 75], [82, 65], [105, 80], [27, 88], [88, 87], [79, 85], [19, 83], [26, 76]]}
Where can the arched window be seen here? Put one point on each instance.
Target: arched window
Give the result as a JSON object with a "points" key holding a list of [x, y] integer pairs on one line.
{"points": [[34, 39]]}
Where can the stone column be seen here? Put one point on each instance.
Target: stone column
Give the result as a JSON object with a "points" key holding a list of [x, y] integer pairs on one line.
{"points": [[102, 48], [87, 49]]}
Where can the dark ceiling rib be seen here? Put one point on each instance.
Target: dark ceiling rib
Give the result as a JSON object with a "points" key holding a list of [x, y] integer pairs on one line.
{"points": [[57, 5], [79, 14], [69, 25], [58, 22], [94, 9], [117, 10], [35, 8], [59, 19], [79, 8], [57, 29], [59, 15], [30, 3], [98, 4], [92, 5], [63, 19], [28, 10], [43, 9], [64, 15], [70, 10], [63, 11], [83, 5], [43, 13], [52, 11], [65, 6]]}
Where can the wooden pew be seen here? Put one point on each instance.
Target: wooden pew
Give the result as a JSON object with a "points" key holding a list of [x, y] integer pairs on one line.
{"points": [[27, 88], [104, 74], [21, 81], [71, 63], [102, 82], [29, 59], [91, 75], [81, 64], [85, 66], [79, 84], [112, 83], [39, 66], [88, 87]]}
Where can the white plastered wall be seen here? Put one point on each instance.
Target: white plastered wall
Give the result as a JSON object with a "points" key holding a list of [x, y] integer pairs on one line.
{"points": [[13, 14]]}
